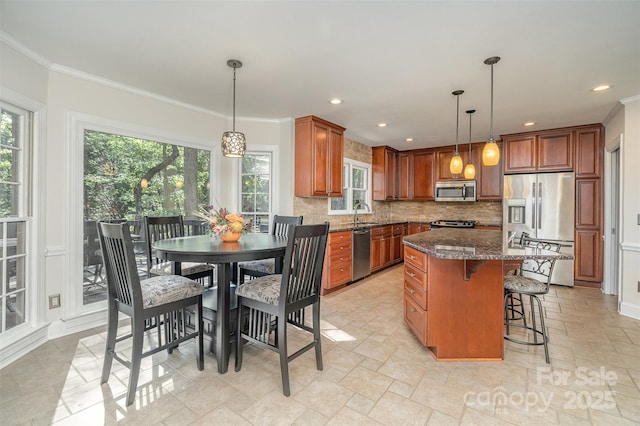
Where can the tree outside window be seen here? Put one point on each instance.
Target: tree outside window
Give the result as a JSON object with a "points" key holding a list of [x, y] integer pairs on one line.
{"points": [[256, 189], [356, 189]]}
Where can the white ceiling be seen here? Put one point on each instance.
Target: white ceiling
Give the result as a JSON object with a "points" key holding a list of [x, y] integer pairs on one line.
{"points": [[391, 61]]}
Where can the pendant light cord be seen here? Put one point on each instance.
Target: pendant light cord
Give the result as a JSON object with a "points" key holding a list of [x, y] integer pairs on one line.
{"points": [[234, 98], [457, 120], [470, 114], [491, 116]]}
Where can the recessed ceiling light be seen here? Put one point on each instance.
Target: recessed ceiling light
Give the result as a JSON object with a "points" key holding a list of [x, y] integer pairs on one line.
{"points": [[382, 124], [335, 101], [529, 123], [601, 87], [409, 139]]}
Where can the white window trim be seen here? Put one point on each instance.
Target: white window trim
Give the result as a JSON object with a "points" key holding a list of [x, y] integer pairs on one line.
{"points": [[275, 182], [77, 315], [33, 332], [349, 201], [271, 178]]}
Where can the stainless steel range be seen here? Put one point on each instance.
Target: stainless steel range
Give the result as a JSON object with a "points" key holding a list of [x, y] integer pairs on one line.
{"points": [[453, 224]]}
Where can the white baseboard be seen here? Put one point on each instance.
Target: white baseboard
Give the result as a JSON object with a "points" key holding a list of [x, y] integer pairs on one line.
{"points": [[17, 349], [77, 323], [630, 310]]}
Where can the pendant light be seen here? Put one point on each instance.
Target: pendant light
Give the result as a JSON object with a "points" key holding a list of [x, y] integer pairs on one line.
{"points": [[456, 161], [491, 152], [233, 143], [470, 169]]}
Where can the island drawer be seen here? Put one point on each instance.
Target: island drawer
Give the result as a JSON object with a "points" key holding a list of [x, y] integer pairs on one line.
{"points": [[415, 258], [415, 276], [416, 319], [416, 293]]}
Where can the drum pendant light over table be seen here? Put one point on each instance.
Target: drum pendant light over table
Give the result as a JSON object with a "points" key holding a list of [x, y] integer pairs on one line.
{"points": [[470, 169], [491, 152], [456, 161], [233, 143]]}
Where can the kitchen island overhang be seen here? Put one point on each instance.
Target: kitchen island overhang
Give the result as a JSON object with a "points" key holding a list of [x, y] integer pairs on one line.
{"points": [[454, 290]]}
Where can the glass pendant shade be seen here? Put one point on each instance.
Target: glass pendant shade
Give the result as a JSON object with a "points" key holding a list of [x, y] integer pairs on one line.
{"points": [[456, 164], [470, 171], [490, 153], [233, 144]]}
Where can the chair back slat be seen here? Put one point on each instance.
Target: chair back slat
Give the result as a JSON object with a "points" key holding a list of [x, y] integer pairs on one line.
{"points": [[123, 281], [160, 228], [303, 261], [281, 224], [540, 269]]}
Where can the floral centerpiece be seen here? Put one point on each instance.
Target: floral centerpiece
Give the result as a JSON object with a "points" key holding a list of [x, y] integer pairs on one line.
{"points": [[228, 226]]}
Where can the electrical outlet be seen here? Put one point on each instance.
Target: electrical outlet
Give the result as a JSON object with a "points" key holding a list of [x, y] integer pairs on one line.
{"points": [[54, 301]]}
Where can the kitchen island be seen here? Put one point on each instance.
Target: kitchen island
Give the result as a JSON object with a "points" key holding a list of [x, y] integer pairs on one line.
{"points": [[454, 294]]}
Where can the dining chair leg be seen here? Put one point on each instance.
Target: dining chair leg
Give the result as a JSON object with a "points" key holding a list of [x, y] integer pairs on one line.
{"points": [[110, 345], [239, 339], [316, 335], [200, 360], [136, 358], [284, 361]]}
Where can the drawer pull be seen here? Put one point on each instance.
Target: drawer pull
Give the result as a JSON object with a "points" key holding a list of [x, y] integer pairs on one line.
{"points": [[342, 258], [413, 309], [412, 275], [412, 291], [412, 257]]}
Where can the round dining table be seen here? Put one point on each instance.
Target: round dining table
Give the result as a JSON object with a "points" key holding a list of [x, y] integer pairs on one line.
{"points": [[211, 249]]}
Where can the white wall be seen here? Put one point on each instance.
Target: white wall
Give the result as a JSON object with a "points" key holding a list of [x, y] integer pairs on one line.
{"points": [[629, 299]]}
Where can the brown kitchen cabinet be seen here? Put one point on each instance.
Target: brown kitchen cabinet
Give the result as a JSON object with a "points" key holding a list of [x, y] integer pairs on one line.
{"points": [[547, 151], [381, 247], [443, 161], [338, 260], [319, 149], [415, 228], [405, 175], [385, 173], [422, 179], [589, 245], [489, 178]]}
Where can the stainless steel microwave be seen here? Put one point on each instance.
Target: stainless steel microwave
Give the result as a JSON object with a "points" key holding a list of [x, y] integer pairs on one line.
{"points": [[462, 190]]}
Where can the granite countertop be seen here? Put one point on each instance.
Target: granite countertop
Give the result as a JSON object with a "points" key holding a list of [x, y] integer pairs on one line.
{"points": [[448, 243]]}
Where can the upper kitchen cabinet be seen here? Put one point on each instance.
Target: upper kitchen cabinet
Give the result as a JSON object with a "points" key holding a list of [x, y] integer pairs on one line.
{"points": [[385, 173], [589, 151], [489, 178], [443, 161], [548, 151], [405, 176], [319, 147], [422, 184]]}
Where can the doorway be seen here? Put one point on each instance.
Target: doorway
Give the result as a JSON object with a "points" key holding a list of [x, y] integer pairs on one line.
{"points": [[612, 219]]}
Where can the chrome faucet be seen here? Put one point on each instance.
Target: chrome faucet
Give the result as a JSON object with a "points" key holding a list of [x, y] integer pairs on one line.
{"points": [[358, 204]]}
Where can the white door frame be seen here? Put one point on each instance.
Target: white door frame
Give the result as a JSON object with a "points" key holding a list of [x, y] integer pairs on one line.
{"points": [[612, 251]]}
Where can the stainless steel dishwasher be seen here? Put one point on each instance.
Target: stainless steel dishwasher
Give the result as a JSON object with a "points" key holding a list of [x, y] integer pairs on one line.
{"points": [[361, 253]]}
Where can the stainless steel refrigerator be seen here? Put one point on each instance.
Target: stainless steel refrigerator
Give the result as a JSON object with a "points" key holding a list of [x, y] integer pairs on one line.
{"points": [[543, 205]]}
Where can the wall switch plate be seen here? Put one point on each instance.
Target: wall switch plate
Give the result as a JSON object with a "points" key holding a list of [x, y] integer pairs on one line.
{"points": [[54, 301]]}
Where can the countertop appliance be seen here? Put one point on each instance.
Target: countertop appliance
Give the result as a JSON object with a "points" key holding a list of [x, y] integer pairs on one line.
{"points": [[543, 205], [361, 254], [453, 224], [458, 190]]}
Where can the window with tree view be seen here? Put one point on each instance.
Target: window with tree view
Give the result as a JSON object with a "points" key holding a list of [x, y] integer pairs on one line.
{"points": [[256, 189], [15, 125], [127, 178], [356, 190]]}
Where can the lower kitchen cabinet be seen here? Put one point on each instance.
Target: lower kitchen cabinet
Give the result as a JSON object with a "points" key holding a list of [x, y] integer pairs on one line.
{"points": [[397, 254], [415, 293], [381, 247], [415, 228], [338, 260]]}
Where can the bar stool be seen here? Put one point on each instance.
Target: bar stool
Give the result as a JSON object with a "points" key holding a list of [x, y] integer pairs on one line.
{"points": [[532, 279]]}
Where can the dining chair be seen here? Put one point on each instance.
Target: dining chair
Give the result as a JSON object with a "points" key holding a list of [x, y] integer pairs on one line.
{"points": [[260, 268], [281, 299], [163, 227], [157, 303], [532, 279]]}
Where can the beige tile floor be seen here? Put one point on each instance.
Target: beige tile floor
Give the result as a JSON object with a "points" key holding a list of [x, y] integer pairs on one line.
{"points": [[375, 372]]}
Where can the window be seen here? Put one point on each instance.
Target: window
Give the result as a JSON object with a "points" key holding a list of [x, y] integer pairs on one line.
{"points": [[127, 178], [15, 131], [356, 189], [255, 184]]}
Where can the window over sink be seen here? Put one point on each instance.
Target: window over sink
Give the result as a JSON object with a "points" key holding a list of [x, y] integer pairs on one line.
{"points": [[356, 189]]}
